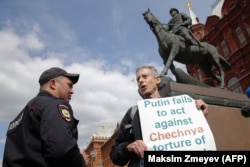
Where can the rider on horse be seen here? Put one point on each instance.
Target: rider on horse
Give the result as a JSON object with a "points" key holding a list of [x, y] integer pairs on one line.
{"points": [[179, 25]]}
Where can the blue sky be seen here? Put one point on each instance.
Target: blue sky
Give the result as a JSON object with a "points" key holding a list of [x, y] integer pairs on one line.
{"points": [[104, 41]]}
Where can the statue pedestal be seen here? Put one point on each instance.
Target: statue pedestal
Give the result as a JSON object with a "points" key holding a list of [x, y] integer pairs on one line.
{"points": [[230, 128]]}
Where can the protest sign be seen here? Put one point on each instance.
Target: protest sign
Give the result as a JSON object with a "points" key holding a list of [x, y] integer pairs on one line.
{"points": [[174, 123]]}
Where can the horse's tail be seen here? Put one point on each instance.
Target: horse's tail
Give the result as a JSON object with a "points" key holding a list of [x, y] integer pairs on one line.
{"points": [[224, 63]]}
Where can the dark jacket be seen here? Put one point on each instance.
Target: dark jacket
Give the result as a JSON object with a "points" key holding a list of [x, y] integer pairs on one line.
{"points": [[44, 134], [119, 153]]}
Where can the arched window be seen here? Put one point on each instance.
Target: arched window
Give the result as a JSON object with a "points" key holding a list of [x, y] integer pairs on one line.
{"points": [[240, 36], [234, 85]]}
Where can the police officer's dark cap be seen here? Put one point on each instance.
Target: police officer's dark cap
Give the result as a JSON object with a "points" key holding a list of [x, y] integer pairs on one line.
{"points": [[56, 72], [173, 9]]}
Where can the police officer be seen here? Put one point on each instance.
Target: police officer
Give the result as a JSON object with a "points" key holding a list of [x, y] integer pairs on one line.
{"points": [[44, 133], [179, 24]]}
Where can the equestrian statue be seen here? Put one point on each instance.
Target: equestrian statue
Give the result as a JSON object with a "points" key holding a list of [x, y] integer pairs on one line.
{"points": [[186, 50]]}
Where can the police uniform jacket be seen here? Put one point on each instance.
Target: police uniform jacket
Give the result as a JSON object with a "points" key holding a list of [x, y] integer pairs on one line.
{"points": [[44, 134], [126, 135]]}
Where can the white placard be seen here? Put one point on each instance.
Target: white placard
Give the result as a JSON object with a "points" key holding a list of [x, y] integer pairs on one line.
{"points": [[174, 123]]}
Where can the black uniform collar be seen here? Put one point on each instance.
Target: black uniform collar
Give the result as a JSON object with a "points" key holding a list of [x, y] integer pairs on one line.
{"points": [[45, 93]]}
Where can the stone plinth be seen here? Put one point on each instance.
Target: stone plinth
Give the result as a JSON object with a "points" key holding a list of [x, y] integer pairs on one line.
{"points": [[230, 128], [215, 96]]}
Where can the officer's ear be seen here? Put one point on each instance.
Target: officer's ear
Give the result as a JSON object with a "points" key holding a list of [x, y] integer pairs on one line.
{"points": [[52, 84]]}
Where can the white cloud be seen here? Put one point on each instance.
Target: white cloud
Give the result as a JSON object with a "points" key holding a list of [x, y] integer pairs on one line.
{"points": [[32, 43], [2, 140], [102, 95]]}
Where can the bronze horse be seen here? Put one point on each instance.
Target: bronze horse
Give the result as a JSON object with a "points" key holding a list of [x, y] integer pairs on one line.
{"points": [[173, 47]]}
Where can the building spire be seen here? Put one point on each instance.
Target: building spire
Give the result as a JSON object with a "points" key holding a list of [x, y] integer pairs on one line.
{"points": [[191, 13]]}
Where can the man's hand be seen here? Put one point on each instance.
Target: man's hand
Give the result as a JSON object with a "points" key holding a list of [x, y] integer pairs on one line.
{"points": [[138, 147], [201, 105]]}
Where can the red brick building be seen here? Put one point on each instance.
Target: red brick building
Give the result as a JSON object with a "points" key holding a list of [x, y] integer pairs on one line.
{"points": [[230, 33], [99, 147]]}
